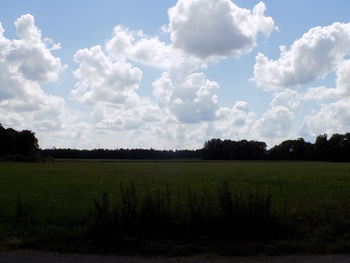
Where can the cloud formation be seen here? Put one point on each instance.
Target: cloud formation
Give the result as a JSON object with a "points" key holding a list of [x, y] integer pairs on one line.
{"points": [[309, 58], [101, 79], [212, 29], [25, 63], [341, 89], [30, 55], [275, 123], [107, 82], [138, 47], [331, 118], [319, 52], [191, 100], [184, 108]]}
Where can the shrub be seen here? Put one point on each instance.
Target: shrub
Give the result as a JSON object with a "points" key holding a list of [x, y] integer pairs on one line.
{"points": [[226, 214]]}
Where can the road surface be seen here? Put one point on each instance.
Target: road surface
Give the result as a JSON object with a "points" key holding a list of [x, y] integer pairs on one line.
{"points": [[43, 257]]}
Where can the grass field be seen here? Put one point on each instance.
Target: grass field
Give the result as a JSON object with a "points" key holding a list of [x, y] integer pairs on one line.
{"points": [[314, 197]]}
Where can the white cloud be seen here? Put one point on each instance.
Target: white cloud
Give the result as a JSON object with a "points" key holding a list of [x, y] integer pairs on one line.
{"points": [[108, 84], [185, 111], [191, 100], [342, 85], [317, 53], [319, 93], [311, 57], [105, 76], [124, 117], [332, 118], [24, 64], [102, 79], [30, 56], [138, 47], [274, 124], [288, 98], [343, 79], [216, 28], [235, 122], [26, 61]]}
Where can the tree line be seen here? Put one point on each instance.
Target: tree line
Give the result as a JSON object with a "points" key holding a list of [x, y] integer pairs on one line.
{"points": [[133, 154], [336, 148], [18, 145], [23, 146]]}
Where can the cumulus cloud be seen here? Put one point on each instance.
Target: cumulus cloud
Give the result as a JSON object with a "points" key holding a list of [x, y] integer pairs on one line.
{"points": [[235, 122], [122, 117], [288, 98], [184, 110], [30, 56], [107, 82], [343, 79], [25, 63], [138, 47], [319, 52], [216, 28], [311, 57], [331, 118], [102, 79], [275, 123], [192, 99], [319, 93], [182, 94], [342, 85]]}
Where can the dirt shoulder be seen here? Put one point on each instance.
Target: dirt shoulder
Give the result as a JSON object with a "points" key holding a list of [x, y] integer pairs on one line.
{"points": [[43, 257]]}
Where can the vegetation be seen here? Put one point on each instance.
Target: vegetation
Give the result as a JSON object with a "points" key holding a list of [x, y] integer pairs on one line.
{"points": [[225, 216], [336, 148], [18, 146], [177, 207], [132, 154], [180, 207], [217, 149], [23, 146]]}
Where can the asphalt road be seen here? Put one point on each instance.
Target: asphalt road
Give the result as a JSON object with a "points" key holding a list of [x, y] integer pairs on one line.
{"points": [[42, 257]]}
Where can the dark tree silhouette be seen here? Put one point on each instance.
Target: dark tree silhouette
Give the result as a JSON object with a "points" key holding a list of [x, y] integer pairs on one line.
{"points": [[336, 149], [321, 147], [16, 145], [23, 145], [132, 154], [217, 149], [292, 150]]}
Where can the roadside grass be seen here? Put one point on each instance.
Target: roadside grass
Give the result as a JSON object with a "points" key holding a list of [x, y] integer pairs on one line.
{"points": [[176, 208]]}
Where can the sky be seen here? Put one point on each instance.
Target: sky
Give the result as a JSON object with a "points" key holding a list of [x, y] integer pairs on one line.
{"points": [[172, 74]]}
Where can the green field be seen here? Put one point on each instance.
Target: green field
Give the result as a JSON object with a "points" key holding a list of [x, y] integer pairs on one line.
{"points": [[64, 191], [64, 187]]}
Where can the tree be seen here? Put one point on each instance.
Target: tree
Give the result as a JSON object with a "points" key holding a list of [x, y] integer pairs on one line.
{"points": [[321, 147], [22, 144], [27, 144]]}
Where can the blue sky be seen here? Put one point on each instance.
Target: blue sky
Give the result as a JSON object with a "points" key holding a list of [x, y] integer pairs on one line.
{"points": [[132, 74]]}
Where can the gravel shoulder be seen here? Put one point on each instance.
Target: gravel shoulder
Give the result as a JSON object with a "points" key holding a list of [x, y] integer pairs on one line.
{"points": [[43, 257]]}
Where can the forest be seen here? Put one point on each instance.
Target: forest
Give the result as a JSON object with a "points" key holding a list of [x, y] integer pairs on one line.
{"points": [[23, 146], [336, 148]]}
